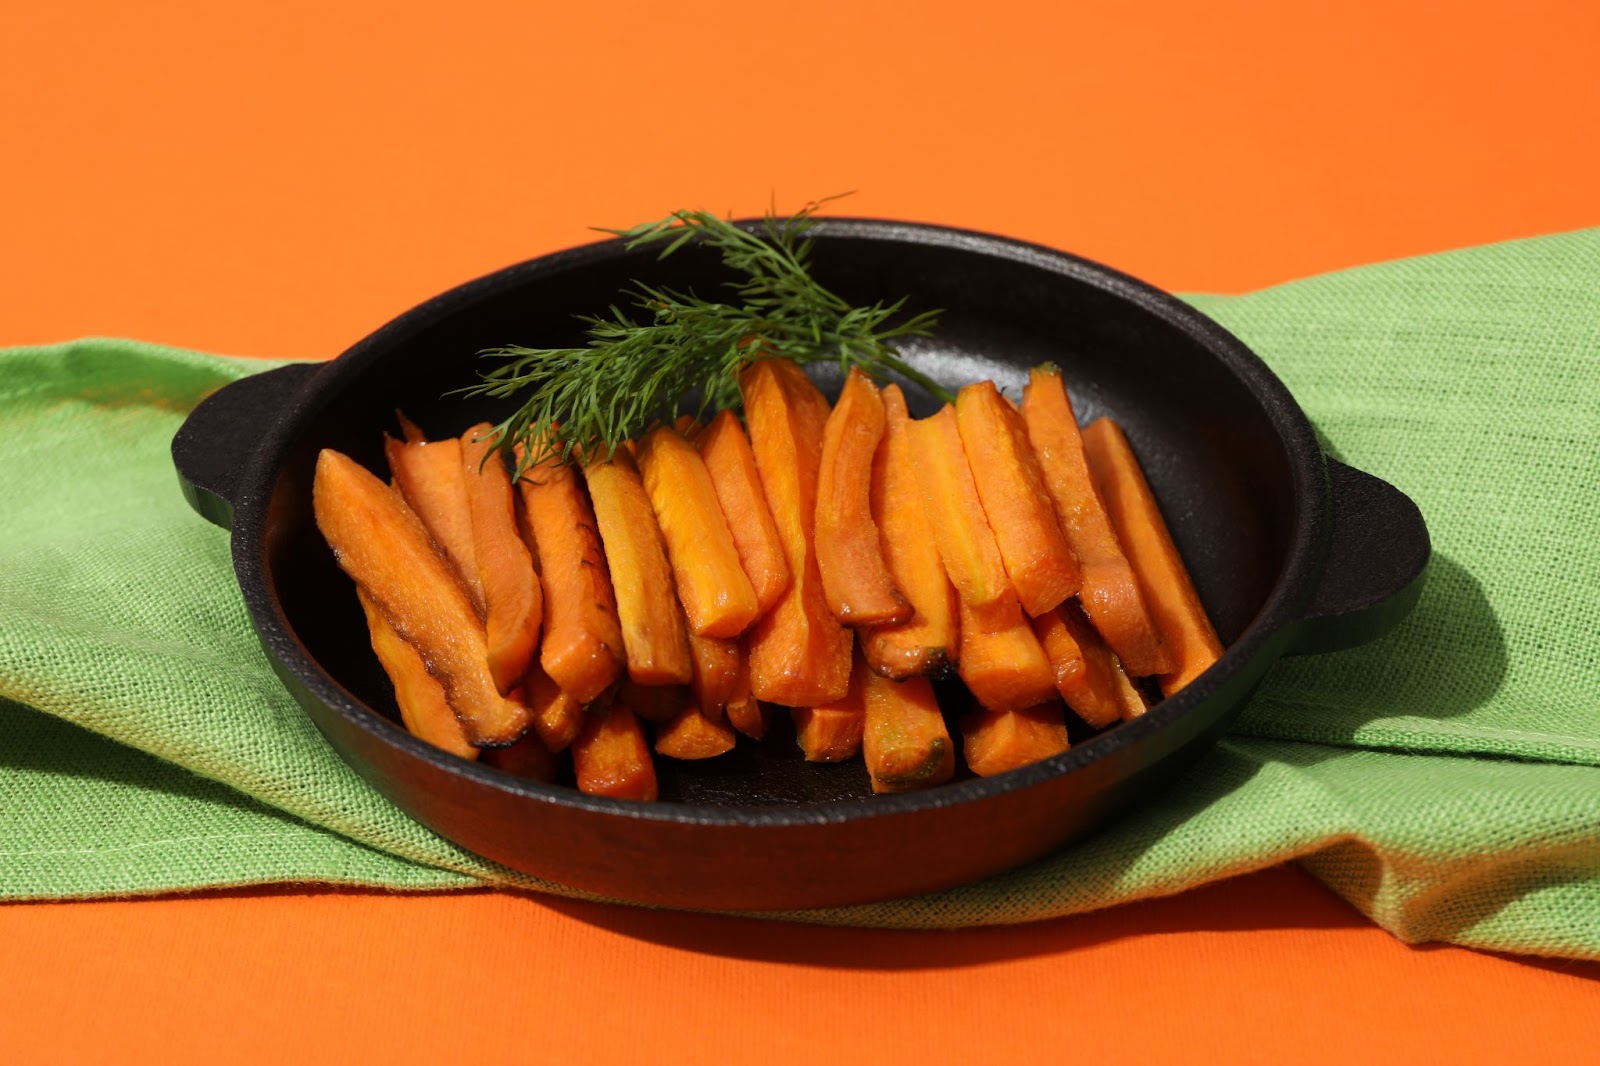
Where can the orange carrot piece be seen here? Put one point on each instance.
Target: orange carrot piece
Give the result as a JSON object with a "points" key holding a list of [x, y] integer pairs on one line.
{"points": [[926, 644], [610, 757], [513, 599], [409, 429], [732, 466], [528, 758], [905, 743], [799, 653], [1110, 593], [832, 732], [434, 484], [718, 599], [1173, 601], [745, 713], [653, 633], [557, 717], [692, 735], [716, 674], [1089, 675], [653, 703], [583, 648], [1003, 664], [997, 741], [855, 580], [960, 528], [423, 708], [1042, 566], [688, 427], [383, 546]]}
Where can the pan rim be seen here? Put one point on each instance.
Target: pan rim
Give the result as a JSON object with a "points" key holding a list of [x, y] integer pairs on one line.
{"points": [[1283, 607]]}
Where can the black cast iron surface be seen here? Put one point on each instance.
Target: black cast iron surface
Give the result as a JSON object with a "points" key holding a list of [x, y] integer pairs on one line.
{"points": [[1289, 551]]}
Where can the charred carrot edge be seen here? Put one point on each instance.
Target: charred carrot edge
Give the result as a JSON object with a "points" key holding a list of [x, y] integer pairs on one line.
{"points": [[431, 478], [423, 708], [653, 703], [732, 466], [926, 645], [717, 597], [383, 546], [654, 636], [557, 717], [513, 599], [582, 648], [716, 674], [905, 742], [997, 741], [960, 528], [855, 579], [611, 758], [833, 732], [1088, 674], [1179, 615], [1002, 664], [1042, 566], [528, 758], [799, 653], [689, 734], [1110, 594]]}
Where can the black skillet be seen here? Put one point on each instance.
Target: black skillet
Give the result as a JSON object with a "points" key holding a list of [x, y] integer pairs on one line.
{"points": [[1291, 551]]}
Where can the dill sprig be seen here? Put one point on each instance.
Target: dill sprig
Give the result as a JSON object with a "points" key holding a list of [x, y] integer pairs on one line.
{"points": [[641, 363]]}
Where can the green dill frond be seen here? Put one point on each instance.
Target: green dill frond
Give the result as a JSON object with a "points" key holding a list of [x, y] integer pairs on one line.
{"points": [[641, 362]]}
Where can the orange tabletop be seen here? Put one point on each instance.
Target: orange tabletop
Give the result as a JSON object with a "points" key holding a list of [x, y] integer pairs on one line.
{"points": [[278, 179]]}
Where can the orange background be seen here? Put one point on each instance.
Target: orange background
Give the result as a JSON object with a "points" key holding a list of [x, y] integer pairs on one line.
{"points": [[278, 179]]}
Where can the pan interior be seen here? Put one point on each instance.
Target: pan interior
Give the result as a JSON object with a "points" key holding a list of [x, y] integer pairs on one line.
{"points": [[1213, 456]]}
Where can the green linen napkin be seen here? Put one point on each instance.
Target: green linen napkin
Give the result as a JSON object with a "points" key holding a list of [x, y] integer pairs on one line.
{"points": [[1445, 779]]}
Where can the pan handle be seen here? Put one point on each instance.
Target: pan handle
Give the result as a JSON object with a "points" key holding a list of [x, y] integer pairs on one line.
{"points": [[1376, 560], [213, 446]]}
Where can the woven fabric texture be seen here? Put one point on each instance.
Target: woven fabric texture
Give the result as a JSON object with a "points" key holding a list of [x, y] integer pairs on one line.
{"points": [[1445, 779]]}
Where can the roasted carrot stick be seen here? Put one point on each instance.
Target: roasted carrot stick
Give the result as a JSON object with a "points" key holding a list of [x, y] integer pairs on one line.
{"points": [[745, 713], [832, 732], [905, 743], [716, 674], [924, 646], [653, 632], [718, 599], [513, 599], [1089, 675], [528, 758], [688, 427], [611, 758], [960, 528], [1179, 615], [582, 648], [1110, 593], [653, 703], [732, 466], [434, 484], [557, 717], [855, 580], [383, 546], [423, 708], [997, 741], [1003, 664], [689, 734], [799, 653], [1040, 563]]}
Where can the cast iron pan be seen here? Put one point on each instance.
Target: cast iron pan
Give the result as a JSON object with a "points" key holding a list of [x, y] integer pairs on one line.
{"points": [[1292, 552]]}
